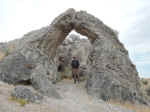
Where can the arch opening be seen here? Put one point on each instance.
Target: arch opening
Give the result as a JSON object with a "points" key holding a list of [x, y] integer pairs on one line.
{"points": [[74, 45]]}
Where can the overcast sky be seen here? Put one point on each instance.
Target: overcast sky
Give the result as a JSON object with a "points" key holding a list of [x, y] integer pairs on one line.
{"points": [[131, 18]]}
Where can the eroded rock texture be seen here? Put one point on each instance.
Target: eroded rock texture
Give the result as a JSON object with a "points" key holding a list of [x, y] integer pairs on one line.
{"points": [[111, 73], [15, 69]]}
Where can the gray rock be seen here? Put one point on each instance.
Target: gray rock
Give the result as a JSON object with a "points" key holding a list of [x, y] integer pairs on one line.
{"points": [[3, 47], [41, 83], [15, 69], [29, 66], [26, 93], [115, 77]]}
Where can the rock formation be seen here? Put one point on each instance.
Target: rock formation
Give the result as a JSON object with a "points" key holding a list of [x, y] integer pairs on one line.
{"points": [[74, 45], [15, 69], [111, 74]]}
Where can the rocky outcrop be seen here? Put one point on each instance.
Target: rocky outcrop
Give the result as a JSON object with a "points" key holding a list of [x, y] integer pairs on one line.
{"points": [[15, 69], [111, 74], [114, 75], [41, 83], [18, 69]]}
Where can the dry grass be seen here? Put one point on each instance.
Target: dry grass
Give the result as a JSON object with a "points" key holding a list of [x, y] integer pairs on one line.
{"points": [[130, 106], [2, 55], [22, 102], [145, 83]]}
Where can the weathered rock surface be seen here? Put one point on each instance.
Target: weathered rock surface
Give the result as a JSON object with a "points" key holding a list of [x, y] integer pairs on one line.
{"points": [[18, 69], [41, 83], [26, 93], [3, 50], [114, 74], [111, 74], [15, 69]]}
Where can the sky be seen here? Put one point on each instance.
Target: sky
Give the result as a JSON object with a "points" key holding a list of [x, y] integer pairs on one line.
{"points": [[129, 17]]}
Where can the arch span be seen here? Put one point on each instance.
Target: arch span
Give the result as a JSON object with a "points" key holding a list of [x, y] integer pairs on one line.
{"points": [[81, 22]]}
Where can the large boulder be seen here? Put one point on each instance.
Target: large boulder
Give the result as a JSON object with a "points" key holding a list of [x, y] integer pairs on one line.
{"points": [[15, 69], [41, 83], [30, 66]]}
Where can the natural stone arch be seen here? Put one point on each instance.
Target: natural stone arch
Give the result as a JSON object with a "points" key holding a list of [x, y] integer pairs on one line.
{"points": [[81, 22], [111, 73]]}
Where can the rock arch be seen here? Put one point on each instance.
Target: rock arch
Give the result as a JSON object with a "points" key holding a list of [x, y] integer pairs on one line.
{"points": [[81, 22], [111, 74]]}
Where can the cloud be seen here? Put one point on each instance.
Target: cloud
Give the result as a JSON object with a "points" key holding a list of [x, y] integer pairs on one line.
{"points": [[137, 40]]}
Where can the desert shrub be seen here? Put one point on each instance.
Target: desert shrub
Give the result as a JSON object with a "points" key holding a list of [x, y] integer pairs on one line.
{"points": [[145, 82]]}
